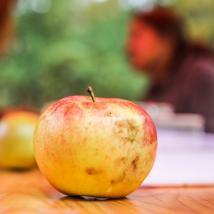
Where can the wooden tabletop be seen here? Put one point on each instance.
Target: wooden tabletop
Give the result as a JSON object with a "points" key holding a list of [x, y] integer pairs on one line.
{"points": [[29, 192]]}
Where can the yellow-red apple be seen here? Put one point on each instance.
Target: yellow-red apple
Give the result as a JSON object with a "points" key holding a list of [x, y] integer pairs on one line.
{"points": [[102, 148], [16, 138]]}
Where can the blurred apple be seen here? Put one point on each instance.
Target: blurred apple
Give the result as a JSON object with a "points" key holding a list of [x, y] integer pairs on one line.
{"points": [[102, 148], [16, 138]]}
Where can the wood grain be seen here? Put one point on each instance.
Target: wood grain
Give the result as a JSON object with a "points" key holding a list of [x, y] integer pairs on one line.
{"points": [[29, 192]]}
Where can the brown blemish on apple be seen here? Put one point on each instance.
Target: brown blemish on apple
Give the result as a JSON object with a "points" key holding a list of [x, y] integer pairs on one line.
{"points": [[119, 179], [109, 114], [127, 130], [134, 163], [122, 160], [92, 171], [113, 181]]}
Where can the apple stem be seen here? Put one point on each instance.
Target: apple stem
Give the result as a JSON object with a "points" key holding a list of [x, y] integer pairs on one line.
{"points": [[90, 91]]}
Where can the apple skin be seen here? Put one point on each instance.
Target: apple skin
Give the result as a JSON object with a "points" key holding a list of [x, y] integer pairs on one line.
{"points": [[102, 149], [17, 127]]}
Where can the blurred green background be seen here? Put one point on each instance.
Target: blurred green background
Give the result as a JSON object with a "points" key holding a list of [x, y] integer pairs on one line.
{"points": [[61, 46]]}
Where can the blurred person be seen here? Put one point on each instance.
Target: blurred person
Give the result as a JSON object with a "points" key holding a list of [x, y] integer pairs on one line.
{"points": [[181, 71]]}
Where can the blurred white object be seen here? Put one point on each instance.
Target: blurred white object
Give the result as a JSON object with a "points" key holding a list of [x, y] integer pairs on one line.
{"points": [[164, 117]]}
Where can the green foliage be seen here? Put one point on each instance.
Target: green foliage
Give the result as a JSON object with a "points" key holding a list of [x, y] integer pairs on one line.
{"points": [[60, 52]]}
